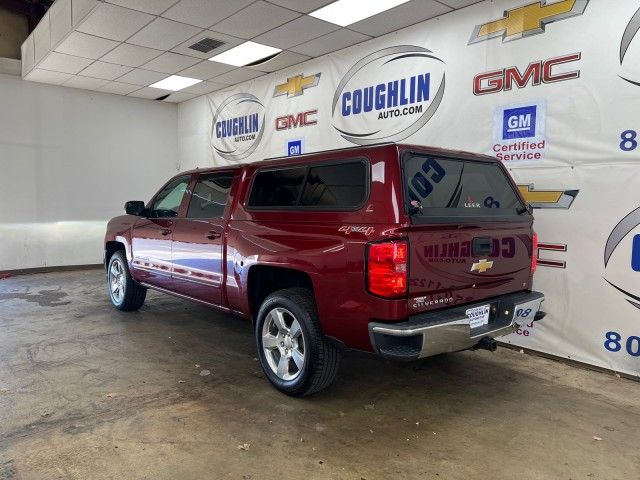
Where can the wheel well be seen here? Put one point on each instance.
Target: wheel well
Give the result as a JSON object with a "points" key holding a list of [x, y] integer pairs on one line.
{"points": [[109, 249], [264, 280]]}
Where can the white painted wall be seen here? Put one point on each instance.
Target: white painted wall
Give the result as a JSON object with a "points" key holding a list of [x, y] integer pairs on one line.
{"points": [[69, 159]]}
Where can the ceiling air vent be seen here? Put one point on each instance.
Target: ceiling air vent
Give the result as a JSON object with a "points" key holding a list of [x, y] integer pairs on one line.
{"points": [[206, 45]]}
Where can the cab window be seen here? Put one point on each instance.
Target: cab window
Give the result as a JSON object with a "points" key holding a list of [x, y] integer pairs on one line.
{"points": [[210, 195], [167, 202]]}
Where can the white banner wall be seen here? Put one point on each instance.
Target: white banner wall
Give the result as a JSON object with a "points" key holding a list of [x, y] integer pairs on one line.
{"points": [[552, 88]]}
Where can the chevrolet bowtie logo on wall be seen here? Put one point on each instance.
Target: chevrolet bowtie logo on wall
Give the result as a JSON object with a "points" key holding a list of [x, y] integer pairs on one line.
{"points": [[548, 198], [528, 20], [482, 266], [296, 86]]}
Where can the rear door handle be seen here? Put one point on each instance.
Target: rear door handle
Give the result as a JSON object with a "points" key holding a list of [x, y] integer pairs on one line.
{"points": [[212, 235], [165, 232]]}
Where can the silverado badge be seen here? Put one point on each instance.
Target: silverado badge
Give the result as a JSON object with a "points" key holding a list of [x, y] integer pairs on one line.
{"points": [[481, 266]]}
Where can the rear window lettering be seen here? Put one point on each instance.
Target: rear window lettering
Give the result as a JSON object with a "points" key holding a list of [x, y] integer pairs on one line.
{"points": [[442, 186], [319, 187]]}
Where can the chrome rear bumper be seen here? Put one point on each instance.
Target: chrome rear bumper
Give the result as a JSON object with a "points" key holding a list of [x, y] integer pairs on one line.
{"points": [[448, 330]]}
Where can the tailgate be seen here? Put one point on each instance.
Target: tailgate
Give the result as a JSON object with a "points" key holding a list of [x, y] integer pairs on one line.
{"points": [[470, 236], [452, 266]]}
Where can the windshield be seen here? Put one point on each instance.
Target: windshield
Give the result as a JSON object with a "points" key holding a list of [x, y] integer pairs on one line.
{"points": [[451, 187]]}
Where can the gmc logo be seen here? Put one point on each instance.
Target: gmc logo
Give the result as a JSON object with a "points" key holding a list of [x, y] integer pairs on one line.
{"points": [[537, 73], [303, 119]]}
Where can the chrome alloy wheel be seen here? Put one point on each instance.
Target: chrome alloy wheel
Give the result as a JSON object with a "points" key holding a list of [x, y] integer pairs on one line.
{"points": [[283, 343], [116, 281]]}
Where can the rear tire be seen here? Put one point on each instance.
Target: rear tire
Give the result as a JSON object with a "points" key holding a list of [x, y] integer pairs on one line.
{"points": [[295, 356], [124, 292]]}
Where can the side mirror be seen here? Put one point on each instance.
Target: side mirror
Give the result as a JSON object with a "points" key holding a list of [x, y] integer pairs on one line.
{"points": [[134, 207]]}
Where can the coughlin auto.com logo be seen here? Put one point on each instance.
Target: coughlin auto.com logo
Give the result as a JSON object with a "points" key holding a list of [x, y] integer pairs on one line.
{"points": [[238, 126], [528, 20], [388, 95], [295, 86], [623, 249]]}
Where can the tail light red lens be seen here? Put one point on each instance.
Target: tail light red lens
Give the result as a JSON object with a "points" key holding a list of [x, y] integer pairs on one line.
{"points": [[387, 268], [534, 252]]}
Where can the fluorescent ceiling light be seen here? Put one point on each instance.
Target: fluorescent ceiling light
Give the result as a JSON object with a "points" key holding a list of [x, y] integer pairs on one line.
{"points": [[346, 12], [175, 83], [244, 54]]}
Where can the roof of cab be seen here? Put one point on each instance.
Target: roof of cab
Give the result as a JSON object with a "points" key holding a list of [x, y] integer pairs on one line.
{"points": [[313, 156]]}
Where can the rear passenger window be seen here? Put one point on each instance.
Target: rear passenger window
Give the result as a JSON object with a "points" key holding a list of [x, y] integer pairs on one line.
{"points": [[335, 186], [330, 187], [277, 188], [210, 195]]}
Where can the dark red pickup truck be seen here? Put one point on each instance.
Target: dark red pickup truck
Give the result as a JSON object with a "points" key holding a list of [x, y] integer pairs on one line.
{"points": [[401, 250]]}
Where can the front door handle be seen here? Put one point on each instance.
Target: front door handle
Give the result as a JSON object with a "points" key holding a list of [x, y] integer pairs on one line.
{"points": [[165, 232], [212, 235]]}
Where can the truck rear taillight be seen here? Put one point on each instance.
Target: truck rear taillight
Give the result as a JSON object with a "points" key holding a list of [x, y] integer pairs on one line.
{"points": [[534, 252], [387, 268]]}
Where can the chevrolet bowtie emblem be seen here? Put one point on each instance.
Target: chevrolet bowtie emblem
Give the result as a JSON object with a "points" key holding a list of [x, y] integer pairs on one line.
{"points": [[295, 86], [481, 266], [548, 198], [528, 20]]}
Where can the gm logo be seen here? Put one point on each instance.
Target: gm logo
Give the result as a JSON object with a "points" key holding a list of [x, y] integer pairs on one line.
{"points": [[519, 122], [635, 254], [294, 147]]}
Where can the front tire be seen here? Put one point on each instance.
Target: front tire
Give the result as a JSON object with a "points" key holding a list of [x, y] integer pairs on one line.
{"points": [[125, 294], [295, 356]]}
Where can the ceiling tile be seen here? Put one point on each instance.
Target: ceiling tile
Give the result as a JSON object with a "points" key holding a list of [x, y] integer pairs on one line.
{"points": [[303, 6], [150, 93], [142, 77], [113, 22], [282, 60], [84, 82], [255, 19], [42, 39], [80, 9], [228, 40], [399, 17], [106, 71], [154, 7], [131, 55], [331, 42], [163, 34], [459, 3], [203, 88], [118, 88], [178, 97], [204, 13], [170, 62], [45, 76], [298, 31], [206, 70], [87, 46], [60, 20], [59, 62], [238, 75]]}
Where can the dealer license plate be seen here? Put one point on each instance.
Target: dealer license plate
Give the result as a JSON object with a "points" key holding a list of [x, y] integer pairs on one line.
{"points": [[478, 316]]}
